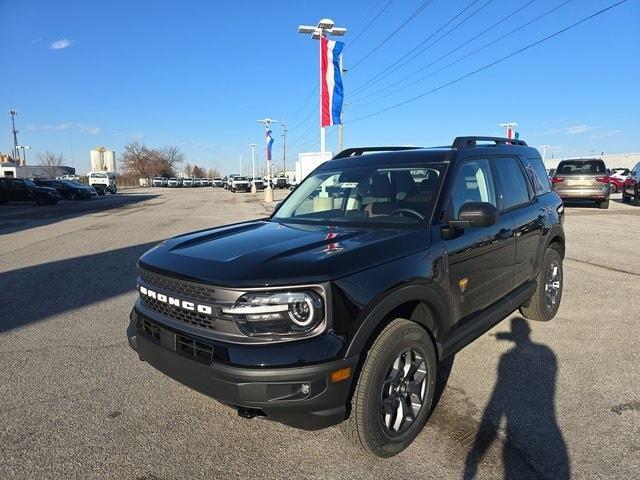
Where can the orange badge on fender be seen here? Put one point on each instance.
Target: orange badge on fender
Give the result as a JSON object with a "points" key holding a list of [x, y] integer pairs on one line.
{"points": [[463, 284]]}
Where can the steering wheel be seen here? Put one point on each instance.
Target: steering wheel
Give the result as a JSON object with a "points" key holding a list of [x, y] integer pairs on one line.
{"points": [[407, 210]]}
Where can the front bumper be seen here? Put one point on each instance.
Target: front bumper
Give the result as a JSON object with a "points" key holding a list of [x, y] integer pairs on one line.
{"points": [[300, 396]]}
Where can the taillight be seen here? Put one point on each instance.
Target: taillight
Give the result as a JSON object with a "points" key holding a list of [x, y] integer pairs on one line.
{"points": [[557, 179], [602, 179]]}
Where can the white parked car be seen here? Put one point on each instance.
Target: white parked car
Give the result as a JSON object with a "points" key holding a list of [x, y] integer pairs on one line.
{"points": [[218, 182], [158, 182], [258, 182], [187, 182], [240, 184], [173, 182], [103, 182]]}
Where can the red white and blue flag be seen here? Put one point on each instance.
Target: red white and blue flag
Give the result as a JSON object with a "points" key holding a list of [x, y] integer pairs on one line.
{"points": [[269, 144], [331, 90]]}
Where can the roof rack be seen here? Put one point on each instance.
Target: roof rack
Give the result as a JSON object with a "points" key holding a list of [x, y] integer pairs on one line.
{"points": [[357, 151], [470, 142]]}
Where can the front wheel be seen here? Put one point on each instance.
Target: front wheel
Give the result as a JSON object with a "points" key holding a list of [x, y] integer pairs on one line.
{"points": [[545, 301], [394, 392], [613, 187]]}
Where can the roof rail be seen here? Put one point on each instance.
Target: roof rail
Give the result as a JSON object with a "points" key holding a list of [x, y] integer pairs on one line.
{"points": [[470, 142], [357, 151]]}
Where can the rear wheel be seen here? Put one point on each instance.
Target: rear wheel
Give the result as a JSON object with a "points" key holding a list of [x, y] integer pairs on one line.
{"points": [[603, 205], [545, 301], [394, 392]]}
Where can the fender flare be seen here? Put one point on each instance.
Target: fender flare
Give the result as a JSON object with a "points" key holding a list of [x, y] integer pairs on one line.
{"points": [[436, 320]]}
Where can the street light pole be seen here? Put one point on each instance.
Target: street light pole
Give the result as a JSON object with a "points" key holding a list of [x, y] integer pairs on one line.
{"points": [[268, 191], [325, 27], [284, 147], [510, 126], [253, 167], [13, 114]]}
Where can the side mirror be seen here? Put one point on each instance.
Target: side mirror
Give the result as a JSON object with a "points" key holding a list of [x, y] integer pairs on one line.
{"points": [[476, 214]]}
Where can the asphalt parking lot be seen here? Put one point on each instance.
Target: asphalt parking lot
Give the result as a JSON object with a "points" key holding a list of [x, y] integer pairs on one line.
{"points": [[562, 398]]}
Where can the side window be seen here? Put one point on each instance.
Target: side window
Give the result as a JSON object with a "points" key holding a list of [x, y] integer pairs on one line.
{"points": [[538, 176], [474, 183], [513, 186]]}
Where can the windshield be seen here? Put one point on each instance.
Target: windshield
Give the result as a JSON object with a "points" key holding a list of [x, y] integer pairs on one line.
{"points": [[99, 175], [240, 179], [371, 195], [29, 182]]}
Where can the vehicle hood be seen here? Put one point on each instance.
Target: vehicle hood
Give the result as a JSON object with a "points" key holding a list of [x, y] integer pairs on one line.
{"points": [[265, 253]]}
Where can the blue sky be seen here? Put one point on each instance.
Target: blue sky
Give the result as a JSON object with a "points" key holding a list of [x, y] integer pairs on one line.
{"points": [[83, 73]]}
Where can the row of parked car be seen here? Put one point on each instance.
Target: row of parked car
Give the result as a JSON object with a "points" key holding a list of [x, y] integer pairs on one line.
{"points": [[590, 179], [176, 182], [238, 183], [43, 191]]}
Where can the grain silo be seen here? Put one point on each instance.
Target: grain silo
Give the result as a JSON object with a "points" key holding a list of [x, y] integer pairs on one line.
{"points": [[103, 160]]}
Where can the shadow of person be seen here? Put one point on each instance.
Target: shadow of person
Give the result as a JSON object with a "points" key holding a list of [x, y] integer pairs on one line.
{"points": [[524, 396]]}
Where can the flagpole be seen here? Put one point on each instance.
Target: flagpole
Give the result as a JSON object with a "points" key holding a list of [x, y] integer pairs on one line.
{"points": [[324, 28]]}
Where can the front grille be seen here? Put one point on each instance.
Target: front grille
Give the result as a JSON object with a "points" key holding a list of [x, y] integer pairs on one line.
{"points": [[198, 350], [184, 288], [183, 344], [177, 313]]}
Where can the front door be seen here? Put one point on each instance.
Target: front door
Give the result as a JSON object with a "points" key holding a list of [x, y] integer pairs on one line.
{"points": [[481, 259]]}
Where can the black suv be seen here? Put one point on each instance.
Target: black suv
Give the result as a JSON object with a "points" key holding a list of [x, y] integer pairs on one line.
{"points": [[631, 186], [67, 188], [340, 306], [20, 189]]}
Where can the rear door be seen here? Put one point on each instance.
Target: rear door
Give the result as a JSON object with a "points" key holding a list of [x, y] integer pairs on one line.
{"points": [[516, 199], [18, 190]]}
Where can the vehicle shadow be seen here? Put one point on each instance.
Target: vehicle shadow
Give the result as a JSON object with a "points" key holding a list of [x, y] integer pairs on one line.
{"points": [[32, 294], [18, 216], [524, 399]]}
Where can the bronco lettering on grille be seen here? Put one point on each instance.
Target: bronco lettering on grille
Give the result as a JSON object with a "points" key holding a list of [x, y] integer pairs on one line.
{"points": [[176, 302]]}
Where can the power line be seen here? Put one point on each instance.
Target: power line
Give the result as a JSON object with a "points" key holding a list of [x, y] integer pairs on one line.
{"points": [[304, 104], [459, 47], [357, 37], [390, 68], [492, 64], [393, 33]]}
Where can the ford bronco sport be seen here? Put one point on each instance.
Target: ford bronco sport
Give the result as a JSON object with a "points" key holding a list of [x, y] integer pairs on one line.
{"points": [[340, 306]]}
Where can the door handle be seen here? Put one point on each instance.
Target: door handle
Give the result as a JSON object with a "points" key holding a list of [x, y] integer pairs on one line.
{"points": [[505, 233]]}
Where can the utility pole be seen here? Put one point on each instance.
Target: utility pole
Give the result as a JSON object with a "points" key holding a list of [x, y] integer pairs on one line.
{"points": [[253, 167], [13, 114], [268, 191], [284, 147], [544, 153], [325, 27], [24, 149]]}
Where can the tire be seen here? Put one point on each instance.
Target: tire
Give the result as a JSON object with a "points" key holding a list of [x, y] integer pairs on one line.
{"points": [[613, 188], [625, 198], [541, 308], [368, 428], [603, 205]]}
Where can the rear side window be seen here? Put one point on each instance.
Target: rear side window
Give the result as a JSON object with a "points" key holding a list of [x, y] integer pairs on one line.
{"points": [[513, 185], [581, 167], [537, 175]]}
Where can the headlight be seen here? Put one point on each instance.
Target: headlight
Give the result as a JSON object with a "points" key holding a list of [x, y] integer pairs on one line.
{"points": [[277, 313]]}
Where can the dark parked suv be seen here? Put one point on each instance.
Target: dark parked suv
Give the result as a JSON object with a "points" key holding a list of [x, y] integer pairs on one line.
{"points": [[631, 186], [340, 306], [20, 189]]}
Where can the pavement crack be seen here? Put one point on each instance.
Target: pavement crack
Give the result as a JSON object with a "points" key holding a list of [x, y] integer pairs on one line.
{"points": [[606, 267]]}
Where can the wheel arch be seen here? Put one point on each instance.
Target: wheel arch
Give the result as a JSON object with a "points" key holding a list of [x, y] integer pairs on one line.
{"points": [[422, 304]]}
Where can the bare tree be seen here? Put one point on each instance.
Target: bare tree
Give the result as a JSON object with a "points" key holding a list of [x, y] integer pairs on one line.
{"points": [[199, 172], [142, 161], [213, 173], [51, 163], [188, 170]]}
